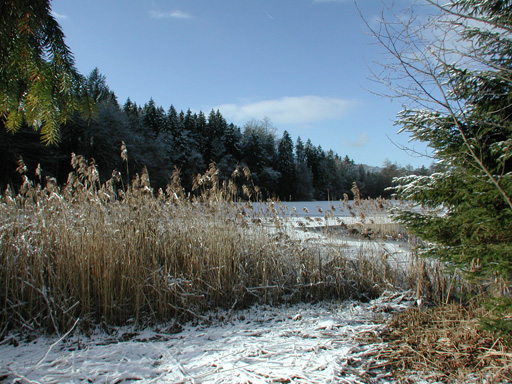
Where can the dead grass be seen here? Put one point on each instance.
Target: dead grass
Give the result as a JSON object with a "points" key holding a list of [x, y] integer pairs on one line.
{"points": [[113, 254], [445, 344], [86, 254]]}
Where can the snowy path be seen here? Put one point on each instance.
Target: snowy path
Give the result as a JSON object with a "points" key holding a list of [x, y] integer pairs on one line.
{"points": [[295, 344]]}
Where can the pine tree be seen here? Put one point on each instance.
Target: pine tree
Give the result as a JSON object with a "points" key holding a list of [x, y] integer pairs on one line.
{"points": [[131, 109], [286, 167], [214, 133], [304, 184], [459, 102], [97, 88], [39, 85], [154, 118], [260, 155]]}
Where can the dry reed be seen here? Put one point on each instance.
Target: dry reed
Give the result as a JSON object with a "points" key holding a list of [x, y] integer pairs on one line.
{"points": [[107, 254], [444, 344], [113, 254]]}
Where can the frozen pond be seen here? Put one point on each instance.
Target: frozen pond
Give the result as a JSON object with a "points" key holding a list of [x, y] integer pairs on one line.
{"points": [[336, 208], [355, 228]]}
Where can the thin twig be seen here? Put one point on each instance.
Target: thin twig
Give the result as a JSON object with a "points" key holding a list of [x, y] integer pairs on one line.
{"points": [[57, 342]]}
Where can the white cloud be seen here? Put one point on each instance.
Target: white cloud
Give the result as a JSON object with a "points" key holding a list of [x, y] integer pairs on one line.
{"points": [[169, 15], [289, 110], [58, 15], [361, 141]]}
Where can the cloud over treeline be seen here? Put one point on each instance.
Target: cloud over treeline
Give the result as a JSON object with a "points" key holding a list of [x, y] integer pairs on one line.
{"points": [[359, 142], [177, 14], [290, 110]]}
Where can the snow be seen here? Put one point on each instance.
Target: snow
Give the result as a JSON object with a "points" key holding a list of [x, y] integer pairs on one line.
{"points": [[302, 343]]}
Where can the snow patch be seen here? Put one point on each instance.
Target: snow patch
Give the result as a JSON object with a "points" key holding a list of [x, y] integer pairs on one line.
{"points": [[301, 343]]}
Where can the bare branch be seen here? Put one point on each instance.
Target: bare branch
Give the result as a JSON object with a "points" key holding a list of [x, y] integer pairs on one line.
{"points": [[421, 70]]}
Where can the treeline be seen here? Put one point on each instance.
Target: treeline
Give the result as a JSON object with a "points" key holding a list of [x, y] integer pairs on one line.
{"points": [[164, 140]]}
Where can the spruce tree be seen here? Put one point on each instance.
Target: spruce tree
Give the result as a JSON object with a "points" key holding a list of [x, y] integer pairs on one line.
{"points": [[459, 102], [214, 133], [334, 181], [39, 85], [286, 167], [316, 161], [96, 87], [304, 184], [260, 155], [131, 109], [154, 118]]}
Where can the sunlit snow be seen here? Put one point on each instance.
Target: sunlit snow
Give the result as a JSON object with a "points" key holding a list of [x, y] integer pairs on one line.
{"points": [[301, 344]]}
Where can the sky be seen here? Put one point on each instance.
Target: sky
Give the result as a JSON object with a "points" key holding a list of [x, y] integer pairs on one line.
{"points": [[303, 64]]}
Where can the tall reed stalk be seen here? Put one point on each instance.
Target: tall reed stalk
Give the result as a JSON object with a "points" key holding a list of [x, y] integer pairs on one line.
{"points": [[114, 255]]}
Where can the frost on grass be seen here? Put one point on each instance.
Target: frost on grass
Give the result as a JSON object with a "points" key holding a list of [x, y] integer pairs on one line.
{"points": [[303, 343], [208, 254]]}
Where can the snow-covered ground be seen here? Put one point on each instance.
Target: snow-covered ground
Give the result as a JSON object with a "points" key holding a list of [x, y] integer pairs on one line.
{"points": [[302, 343]]}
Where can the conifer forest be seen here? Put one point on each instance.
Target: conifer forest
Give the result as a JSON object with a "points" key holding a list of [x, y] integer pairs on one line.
{"points": [[281, 166]]}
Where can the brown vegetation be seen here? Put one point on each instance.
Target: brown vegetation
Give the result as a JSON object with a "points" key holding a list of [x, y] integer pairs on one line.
{"points": [[87, 254], [111, 254], [445, 344]]}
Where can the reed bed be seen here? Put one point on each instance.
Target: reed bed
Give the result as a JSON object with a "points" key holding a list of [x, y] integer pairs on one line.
{"points": [[113, 254], [89, 254]]}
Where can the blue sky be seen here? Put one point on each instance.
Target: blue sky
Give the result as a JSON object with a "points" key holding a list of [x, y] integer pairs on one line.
{"points": [[301, 63]]}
